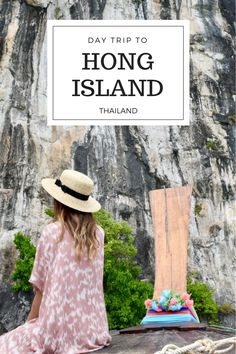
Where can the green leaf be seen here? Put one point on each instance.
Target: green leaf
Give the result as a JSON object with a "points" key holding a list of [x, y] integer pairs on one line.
{"points": [[204, 304], [124, 292], [49, 212], [24, 262]]}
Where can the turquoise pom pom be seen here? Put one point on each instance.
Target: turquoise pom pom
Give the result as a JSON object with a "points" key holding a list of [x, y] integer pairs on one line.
{"points": [[166, 293]]}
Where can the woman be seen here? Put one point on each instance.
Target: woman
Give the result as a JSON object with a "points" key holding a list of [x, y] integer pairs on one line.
{"points": [[68, 313]]}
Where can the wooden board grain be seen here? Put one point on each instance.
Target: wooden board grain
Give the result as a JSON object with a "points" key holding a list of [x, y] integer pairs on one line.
{"points": [[184, 326], [149, 342], [170, 209]]}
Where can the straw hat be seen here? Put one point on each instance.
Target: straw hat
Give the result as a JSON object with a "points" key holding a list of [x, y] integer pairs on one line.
{"points": [[72, 189]]}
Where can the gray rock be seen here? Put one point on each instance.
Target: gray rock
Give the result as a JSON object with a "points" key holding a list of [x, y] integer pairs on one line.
{"points": [[14, 308]]}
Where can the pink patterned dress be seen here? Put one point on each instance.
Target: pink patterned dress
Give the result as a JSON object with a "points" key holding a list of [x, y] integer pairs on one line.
{"points": [[72, 316]]}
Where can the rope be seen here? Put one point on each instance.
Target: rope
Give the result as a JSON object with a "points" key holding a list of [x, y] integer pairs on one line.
{"points": [[201, 346]]}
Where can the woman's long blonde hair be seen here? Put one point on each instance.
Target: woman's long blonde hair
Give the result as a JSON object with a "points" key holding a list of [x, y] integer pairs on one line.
{"points": [[81, 226]]}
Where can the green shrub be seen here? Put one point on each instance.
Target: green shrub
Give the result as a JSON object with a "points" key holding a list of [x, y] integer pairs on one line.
{"points": [[214, 144], [232, 118], [58, 13], [49, 212], [124, 292], [226, 309], [204, 303], [24, 262], [198, 209]]}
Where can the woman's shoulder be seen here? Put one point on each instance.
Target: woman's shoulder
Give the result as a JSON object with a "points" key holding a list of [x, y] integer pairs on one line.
{"points": [[100, 230], [51, 229]]}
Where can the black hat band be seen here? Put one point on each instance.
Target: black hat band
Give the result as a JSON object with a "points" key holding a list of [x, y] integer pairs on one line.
{"points": [[71, 192]]}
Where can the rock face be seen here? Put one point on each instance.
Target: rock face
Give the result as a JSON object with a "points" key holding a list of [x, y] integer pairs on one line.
{"points": [[14, 308], [125, 162]]}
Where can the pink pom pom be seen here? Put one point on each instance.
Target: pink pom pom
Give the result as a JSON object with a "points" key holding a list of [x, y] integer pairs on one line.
{"points": [[148, 303], [159, 309], [173, 301], [186, 297], [189, 303]]}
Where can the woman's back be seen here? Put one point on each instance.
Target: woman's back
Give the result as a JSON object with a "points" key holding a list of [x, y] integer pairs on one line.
{"points": [[72, 312], [68, 314]]}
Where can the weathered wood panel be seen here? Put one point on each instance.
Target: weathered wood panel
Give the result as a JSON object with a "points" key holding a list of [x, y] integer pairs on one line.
{"points": [[150, 342], [170, 212], [183, 326]]}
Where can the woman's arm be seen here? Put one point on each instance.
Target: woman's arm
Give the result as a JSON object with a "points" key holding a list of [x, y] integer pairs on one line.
{"points": [[34, 312]]}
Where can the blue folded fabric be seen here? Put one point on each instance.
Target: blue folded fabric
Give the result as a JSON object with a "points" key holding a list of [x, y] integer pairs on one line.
{"points": [[168, 319], [184, 315]]}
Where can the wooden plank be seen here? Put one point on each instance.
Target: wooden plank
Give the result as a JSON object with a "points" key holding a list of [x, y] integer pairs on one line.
{"points": [[136, 329], [184, 326], [150, 342], [188, 326], [170, 209]]}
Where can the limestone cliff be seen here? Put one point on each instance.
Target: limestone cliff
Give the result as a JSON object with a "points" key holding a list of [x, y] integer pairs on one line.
{"points": [[125, 162]]}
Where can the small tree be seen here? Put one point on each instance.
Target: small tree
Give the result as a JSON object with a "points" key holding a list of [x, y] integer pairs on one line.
{"points": [[204, 303], [124, 292], [24, 262]]}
